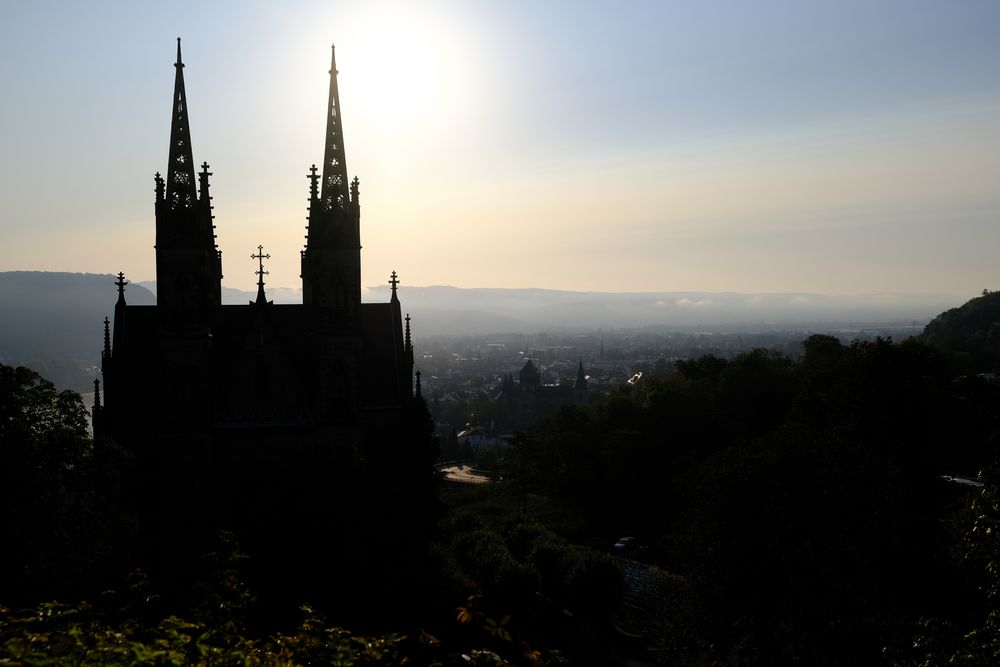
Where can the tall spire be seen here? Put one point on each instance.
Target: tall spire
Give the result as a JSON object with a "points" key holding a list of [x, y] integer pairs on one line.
{"points": [[331, 262], [180, 168], [185, 231], [335, 184], [407, 343]]}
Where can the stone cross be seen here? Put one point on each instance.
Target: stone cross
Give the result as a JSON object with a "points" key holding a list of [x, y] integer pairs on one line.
{"points": [[260, 256]]}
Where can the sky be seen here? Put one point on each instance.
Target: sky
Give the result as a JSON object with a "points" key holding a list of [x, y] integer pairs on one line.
{"points": [[848, 147]]}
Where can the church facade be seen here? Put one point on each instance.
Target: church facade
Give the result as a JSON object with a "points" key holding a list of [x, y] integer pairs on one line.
{"points": [[243, 414]]}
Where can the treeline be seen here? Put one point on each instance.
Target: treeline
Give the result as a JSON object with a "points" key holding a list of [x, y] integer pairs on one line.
{"points": [[801, 500]]}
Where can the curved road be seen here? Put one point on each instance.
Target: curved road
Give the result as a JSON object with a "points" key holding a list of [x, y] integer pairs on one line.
{"points": [[463, 475]]}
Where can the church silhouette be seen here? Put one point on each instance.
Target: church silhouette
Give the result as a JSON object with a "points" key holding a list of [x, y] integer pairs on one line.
{"points": [[295, 423]]}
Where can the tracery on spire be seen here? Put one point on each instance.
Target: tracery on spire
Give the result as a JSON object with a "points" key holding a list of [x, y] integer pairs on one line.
{"points": [[335, 185], [180, 166]]}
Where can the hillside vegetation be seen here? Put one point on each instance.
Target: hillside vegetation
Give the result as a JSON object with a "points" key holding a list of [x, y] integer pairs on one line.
{"points": [[969, 333]]}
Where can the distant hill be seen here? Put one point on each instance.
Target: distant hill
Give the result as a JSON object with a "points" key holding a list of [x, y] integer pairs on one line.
{"points": [[233, 296], [971, 332], [53, 322], [442, 309], [446, 310]]}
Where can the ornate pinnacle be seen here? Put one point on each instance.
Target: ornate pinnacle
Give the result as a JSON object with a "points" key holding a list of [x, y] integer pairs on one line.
{"points": [[313, 183], [407, 345], [203, 181], [107, 339], [160, 185], [121, 282]]}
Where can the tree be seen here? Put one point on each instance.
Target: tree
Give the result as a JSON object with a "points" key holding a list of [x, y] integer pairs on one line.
{"points": [[58, 491]]}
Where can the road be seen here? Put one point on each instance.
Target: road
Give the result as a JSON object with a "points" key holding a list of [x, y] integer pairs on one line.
{"points": [[464, 475]]}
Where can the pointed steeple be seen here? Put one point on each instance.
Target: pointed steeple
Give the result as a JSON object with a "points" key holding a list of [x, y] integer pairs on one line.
{"points": [[331, 262], [335, 184], [581, 377], [407, 344], [188, 261], [180, 167]]}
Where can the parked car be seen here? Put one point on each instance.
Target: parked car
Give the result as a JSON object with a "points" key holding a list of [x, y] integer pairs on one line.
{"points": [[624, 546]]}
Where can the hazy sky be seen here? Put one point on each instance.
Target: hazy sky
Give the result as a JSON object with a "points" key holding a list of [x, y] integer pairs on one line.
{"points": [[837, 146]]}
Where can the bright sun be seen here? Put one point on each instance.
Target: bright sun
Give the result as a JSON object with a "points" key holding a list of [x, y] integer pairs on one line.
{"points": [[402, 66]]}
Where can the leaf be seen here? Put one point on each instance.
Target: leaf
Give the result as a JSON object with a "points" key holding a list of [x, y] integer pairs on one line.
{"points": [[429, 639]]}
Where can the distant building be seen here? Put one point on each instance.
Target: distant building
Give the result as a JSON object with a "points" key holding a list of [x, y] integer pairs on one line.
{"points": [[475, 437], [528, 400]]}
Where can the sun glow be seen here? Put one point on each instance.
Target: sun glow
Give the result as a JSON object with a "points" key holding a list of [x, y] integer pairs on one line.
{"points": [[415, 84], [401, 68]]}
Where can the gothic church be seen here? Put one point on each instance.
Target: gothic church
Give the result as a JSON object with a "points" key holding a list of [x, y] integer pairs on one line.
{"points": [[238, 415]]}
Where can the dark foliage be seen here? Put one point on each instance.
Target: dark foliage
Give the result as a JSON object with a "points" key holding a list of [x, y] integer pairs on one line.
{"points": [[800, 501], [969, 333], [59, 511], [796, 509]]}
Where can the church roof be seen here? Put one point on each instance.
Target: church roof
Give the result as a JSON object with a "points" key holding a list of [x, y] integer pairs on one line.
{"points": [[279, 329], [379, 354]]}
